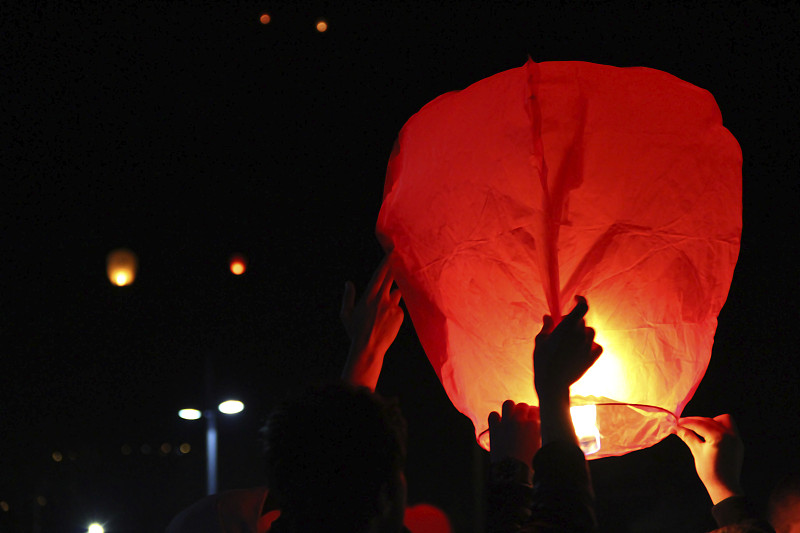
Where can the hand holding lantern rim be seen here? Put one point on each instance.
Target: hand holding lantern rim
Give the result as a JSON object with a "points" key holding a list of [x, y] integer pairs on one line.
{"points": [[515, 434], [718, 453], [372, 324]]}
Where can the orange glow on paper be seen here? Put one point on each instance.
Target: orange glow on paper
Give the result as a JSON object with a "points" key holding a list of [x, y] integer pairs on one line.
{"points": [[121, 267], [264, 18], [238, 265], [584, 420], [322, 26], [506, 199]]}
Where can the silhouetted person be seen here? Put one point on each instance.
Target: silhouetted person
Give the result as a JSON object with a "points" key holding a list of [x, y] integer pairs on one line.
{"points": [[556, 494], [718, 453], [335, 458], [784, 505], [334, 455]]}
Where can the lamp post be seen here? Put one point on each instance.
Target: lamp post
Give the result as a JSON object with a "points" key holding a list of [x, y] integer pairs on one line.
{"points": [[228, 407]]}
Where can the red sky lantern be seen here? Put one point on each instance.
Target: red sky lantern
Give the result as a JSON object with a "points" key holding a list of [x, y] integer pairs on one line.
{"points": [[506, 199], [237, 264]]}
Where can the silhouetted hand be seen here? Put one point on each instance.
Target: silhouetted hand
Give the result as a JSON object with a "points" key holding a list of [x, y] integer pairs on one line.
{"points": [[515, 434], [718, 453], [372, 324], [564, 353]]}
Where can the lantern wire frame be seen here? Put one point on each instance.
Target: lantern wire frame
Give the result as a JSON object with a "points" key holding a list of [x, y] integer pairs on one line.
{"points": [[611, 416]]}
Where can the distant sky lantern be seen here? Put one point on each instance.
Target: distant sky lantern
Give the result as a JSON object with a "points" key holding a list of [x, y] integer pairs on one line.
{"points": [[121, 266], [238, 264], [506, 199], [264, 18], [322, 26]]}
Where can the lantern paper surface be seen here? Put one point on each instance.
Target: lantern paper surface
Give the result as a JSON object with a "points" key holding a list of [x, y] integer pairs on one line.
{"points": [[506, 199]]}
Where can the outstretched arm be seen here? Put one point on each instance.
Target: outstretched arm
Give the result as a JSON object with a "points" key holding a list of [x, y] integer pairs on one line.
{"points": [[372, 324], [561, 496]]}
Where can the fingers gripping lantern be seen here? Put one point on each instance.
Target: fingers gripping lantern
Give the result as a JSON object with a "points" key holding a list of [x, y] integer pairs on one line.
{"points": [[506, 199]]}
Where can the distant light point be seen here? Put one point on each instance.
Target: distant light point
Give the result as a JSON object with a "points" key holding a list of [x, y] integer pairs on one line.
{"points": [[57, 457], [121, 266], [264, 18], [4, 507], [185, 448], [322, 26], [166, 448]]}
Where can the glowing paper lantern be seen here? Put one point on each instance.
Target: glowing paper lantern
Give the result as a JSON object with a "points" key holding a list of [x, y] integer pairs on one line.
{"points": [[121, 267], [506, 199], [238, 265]]}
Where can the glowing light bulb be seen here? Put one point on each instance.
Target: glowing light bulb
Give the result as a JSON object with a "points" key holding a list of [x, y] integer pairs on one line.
{"points": [[231, 407], [189, 414], [322, 26], [264, 18], [95, 528]]}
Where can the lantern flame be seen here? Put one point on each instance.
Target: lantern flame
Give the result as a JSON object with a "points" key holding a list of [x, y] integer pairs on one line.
{"points": [[584, 419]]}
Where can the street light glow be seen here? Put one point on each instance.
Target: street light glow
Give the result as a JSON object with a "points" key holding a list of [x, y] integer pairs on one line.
{"points": [[95, 528], [189, 414], [231, 407]]}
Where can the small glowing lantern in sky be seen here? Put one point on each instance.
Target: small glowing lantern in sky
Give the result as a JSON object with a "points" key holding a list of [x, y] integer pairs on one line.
{"points": [[506, 199], [264, 18], [121, 267], [322, 26], [238, 264]]}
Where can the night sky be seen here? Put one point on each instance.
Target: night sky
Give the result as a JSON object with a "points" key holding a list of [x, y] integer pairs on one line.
{"points": [[190, 132]]}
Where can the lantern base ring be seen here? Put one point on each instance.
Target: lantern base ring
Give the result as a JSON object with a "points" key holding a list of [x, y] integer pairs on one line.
{"points": [[608, 428]]}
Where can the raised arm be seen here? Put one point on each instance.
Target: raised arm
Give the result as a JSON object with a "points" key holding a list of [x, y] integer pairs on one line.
{"points": [[561, 356], [372, 324]]}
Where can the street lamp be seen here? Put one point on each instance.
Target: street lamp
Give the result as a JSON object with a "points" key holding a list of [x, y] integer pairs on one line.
{"points": [[228, 407]]}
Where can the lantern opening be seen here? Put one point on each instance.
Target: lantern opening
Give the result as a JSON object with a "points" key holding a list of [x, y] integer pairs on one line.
{"points": [[584, 419]]}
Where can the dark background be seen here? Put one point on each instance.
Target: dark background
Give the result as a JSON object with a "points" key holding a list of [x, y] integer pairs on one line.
{"points": [[188, 132]]}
